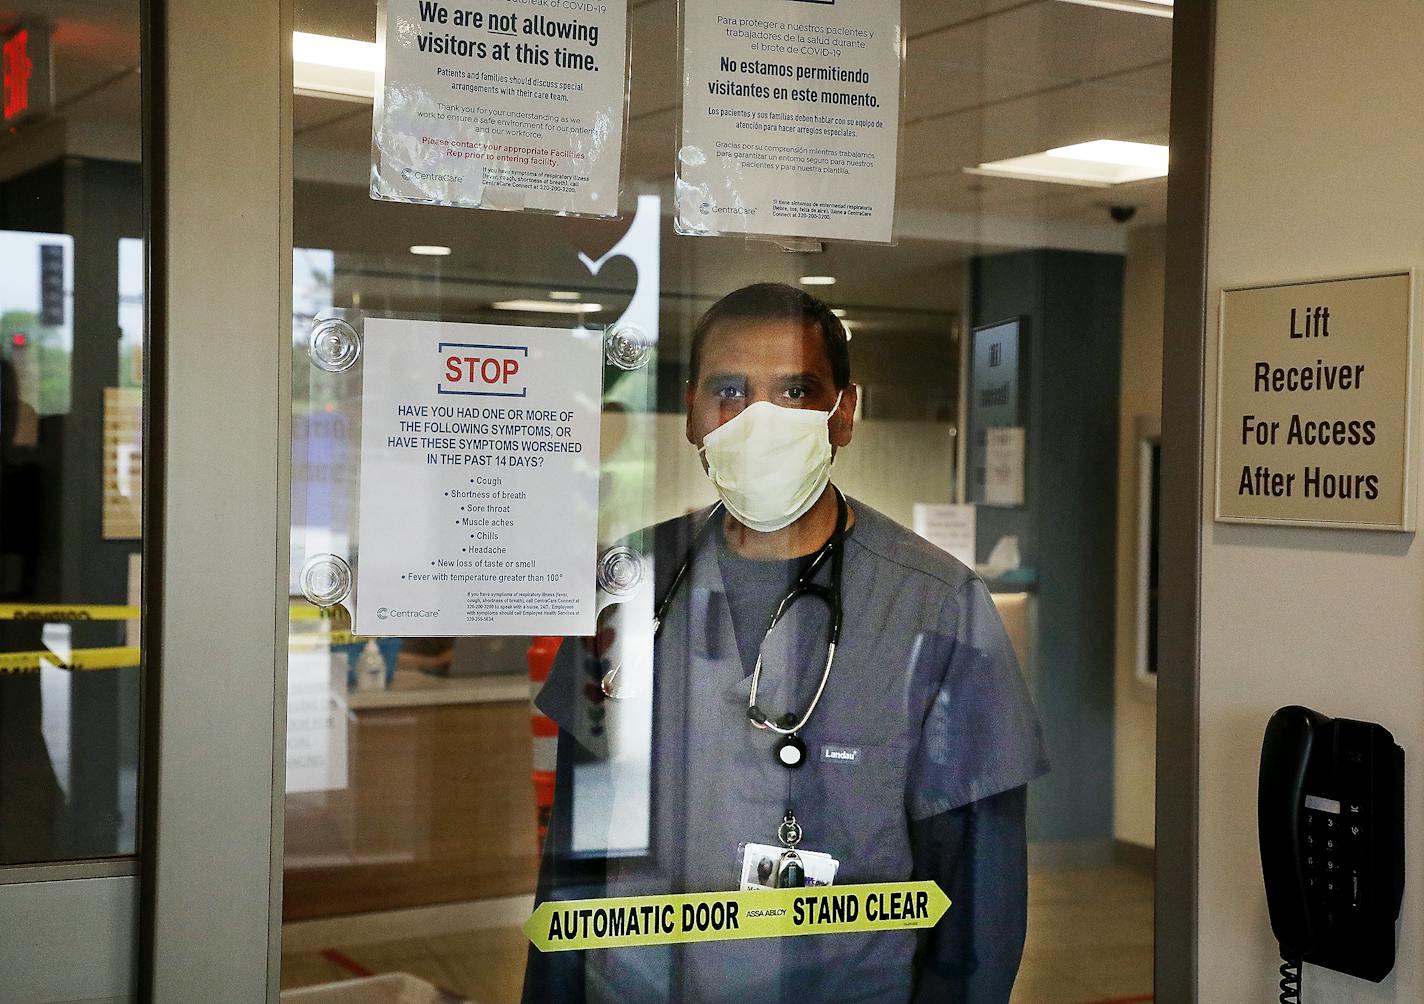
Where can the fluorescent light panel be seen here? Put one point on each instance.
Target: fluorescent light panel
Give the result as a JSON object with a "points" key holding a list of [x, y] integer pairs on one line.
{"points": [[433, 250], [547, 306], [818, 280], [1100, 163], [564, 294], [334, 67], [1152, 8]]}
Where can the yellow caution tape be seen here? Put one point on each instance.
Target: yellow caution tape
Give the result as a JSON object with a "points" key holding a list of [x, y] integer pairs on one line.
{"points": [[712, 916], [54, 612], [80, 660], [86, 659], [307, 642]]}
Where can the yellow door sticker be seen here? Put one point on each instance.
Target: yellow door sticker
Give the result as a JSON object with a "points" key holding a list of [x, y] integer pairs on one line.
{"points": [[58, 612], [78, 660], [726, 916]]}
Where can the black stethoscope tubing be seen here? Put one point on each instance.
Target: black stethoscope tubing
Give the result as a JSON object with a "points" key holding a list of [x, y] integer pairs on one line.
{"points": [[832, 551]]}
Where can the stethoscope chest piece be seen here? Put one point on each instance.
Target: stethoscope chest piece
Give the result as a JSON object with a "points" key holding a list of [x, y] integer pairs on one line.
{"points": [[790, 752]]}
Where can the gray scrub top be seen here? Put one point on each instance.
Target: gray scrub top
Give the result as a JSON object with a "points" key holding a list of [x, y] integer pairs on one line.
{"points": [[925, 695]]}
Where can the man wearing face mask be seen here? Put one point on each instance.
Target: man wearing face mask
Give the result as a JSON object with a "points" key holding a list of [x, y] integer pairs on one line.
{"points": [[879, 731]]}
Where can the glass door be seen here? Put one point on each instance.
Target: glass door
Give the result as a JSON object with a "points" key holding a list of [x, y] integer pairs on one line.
{"points": [[975, 386]]}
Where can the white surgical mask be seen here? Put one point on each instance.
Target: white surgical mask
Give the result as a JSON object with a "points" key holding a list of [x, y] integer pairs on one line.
{"points": [[770, 464]]}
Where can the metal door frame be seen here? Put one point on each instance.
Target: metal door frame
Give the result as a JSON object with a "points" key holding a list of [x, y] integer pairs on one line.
{"points": [[217, 144], [1176, 920], [216, 521]]}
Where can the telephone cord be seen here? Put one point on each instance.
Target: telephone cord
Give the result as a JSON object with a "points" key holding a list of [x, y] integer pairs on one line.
{"points": [[1290, 981]]}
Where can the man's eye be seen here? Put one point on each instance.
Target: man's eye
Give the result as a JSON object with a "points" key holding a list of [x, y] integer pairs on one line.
{"points": [[796, 393], [729, 393]]}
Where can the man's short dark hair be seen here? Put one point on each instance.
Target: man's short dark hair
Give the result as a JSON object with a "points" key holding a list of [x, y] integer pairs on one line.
{"points": [[776, 301]]}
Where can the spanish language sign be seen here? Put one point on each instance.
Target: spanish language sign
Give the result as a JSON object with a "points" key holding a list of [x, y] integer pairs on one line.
{"points": [[501, 105], [1316, 388], [479, 479], [790, 118], [728, 916]]}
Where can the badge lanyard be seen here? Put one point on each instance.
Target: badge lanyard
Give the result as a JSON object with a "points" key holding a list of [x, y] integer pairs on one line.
{"points": [[789, 751], [790, 870]]}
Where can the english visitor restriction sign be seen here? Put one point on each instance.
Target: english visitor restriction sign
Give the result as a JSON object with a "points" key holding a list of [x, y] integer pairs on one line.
{"points": [[490, 104], [1316, 388]]}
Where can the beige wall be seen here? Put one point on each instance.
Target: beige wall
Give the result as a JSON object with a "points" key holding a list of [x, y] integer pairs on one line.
{"points": [[1135, 704], [1316, 147]]}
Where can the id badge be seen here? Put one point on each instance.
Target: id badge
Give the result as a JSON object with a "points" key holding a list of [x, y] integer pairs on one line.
{"points": [[760, 866]]}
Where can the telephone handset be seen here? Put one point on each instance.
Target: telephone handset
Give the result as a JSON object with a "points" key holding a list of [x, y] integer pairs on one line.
{"points": [[1330, 813]]}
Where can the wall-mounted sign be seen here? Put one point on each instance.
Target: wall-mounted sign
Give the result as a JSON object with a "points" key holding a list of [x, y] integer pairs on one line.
{"points": [[1004, 465], [995, 458], [948, 527], [490, 105], [1315, 420], [122, 517], [29, 83], [790, 118], [479, 479]]}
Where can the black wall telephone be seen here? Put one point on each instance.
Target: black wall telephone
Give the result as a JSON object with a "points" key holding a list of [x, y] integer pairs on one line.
{"points": [[1330, 812]]}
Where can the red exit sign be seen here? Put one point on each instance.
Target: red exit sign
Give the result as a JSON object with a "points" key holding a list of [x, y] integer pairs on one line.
{"points": [[24, 55]]}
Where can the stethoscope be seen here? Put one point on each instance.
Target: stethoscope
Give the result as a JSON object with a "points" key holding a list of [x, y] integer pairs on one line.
{"points": [[789, 751]]}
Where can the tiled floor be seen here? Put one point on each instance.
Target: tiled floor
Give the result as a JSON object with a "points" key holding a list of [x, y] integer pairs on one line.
{"points": [[1089, 941]]}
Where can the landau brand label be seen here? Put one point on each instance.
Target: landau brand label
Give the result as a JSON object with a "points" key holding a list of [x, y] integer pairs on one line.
{"points": [[843, 754]]}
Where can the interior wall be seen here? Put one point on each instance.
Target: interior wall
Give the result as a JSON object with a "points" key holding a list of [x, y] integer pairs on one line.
{"points": [[1135, 704], [1070, 304], [1316, 149]]}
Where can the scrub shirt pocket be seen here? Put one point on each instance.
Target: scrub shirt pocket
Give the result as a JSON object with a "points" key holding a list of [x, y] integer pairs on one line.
{"points": [[851, 796]]}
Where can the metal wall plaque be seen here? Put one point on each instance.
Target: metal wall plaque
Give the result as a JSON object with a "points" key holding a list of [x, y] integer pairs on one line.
{"points": [[1316, 383]]}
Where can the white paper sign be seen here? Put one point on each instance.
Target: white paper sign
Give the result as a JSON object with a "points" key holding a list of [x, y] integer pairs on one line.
{"points": [[479, 479], [1004, 466], [497, 105], [316, 722], [790, 118], [948, 527]]}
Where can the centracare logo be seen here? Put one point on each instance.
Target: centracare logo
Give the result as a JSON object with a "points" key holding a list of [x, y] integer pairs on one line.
{"points": [[382, 613]]}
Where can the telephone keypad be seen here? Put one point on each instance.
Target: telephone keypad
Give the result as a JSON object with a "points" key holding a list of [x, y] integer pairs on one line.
{"points": [[1333, 846]]}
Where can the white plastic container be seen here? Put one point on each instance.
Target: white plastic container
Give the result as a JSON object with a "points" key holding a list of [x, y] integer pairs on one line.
{"points": [[388, 988], [371, 668]]}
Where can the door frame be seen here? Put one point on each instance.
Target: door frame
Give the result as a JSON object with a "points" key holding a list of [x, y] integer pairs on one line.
{"points": [[1176, 921], [217, 455], [216, 533]]}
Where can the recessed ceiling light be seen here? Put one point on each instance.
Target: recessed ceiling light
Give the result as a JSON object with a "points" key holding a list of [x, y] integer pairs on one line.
{"points": [[435, 250], [547, 307], [1154, 8], [838, 311], [818, 280], [328, 66], [1096, 164], [563, 294]]}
